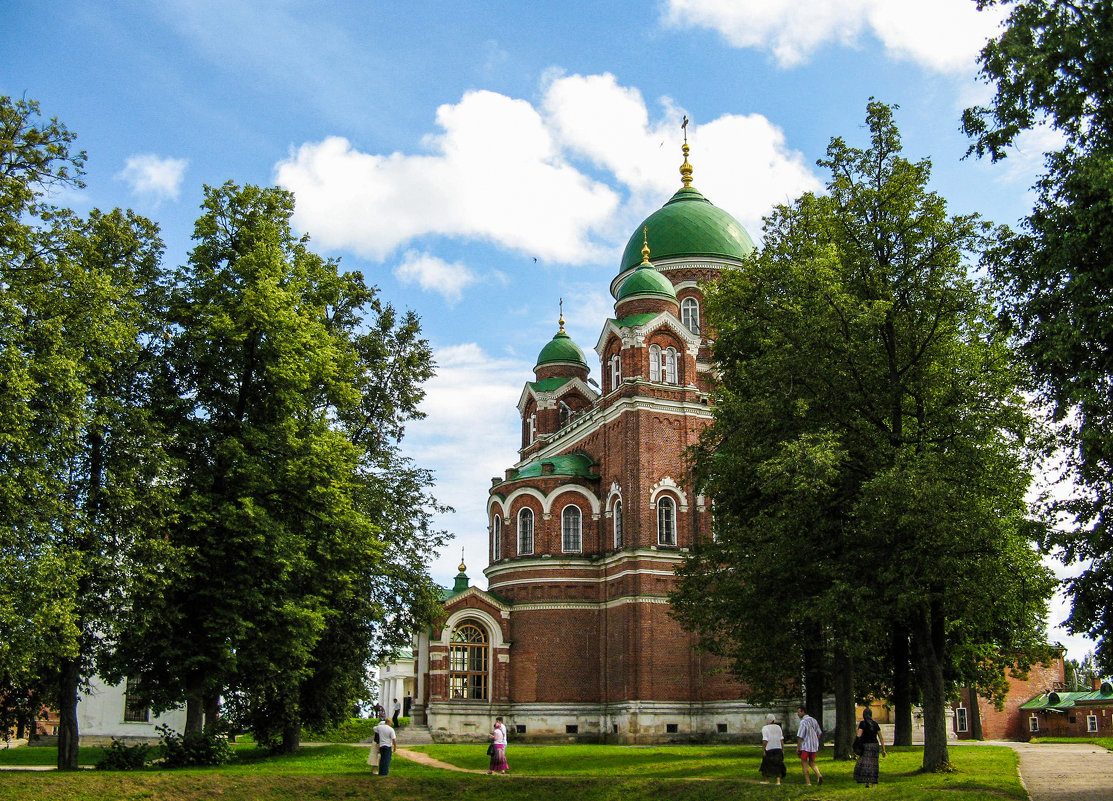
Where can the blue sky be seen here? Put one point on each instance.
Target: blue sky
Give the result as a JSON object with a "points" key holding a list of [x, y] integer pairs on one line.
{"points": [[480, 160]]}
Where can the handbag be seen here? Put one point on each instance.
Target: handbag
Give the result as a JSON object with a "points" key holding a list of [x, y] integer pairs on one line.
{"points": [[857, 746], [491, 749]]}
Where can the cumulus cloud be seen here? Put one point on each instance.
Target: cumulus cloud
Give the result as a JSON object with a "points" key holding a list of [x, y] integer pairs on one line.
{"points": [[154, 177], [942, 35], [563, 181], [435, 275], [472, 399], [493, 174]]}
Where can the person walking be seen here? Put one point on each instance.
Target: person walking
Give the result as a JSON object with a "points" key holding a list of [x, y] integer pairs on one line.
{"points": [[772, 750], [397, 712], [498, 749], [807, 744], [867, 769], [387, 743]]}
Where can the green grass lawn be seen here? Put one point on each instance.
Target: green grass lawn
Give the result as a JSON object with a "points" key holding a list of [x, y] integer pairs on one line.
{"points": [[538, 773]]}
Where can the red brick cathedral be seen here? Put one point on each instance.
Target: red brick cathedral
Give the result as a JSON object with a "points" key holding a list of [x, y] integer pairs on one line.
{"points": [[574, 635]]}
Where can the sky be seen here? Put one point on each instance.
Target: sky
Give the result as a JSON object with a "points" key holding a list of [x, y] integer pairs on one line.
{"points": [[480, 161]]}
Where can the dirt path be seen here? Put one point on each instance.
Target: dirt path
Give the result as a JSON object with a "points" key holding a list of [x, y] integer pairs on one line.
{"points": [[425, 759]]}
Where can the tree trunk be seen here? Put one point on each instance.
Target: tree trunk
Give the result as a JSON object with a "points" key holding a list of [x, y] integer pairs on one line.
{"points": [[68, 680], [902, 686], [813, 674], [291, 738], [929, 643], [195, 714], [975, 716], [212, 712], [845, 707]]}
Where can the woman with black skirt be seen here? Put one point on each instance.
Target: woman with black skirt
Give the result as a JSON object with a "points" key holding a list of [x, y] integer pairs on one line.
{"points": [[867, 769]]}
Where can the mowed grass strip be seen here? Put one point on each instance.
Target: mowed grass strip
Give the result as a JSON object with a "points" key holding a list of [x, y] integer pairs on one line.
{"points": [[539, 773]]}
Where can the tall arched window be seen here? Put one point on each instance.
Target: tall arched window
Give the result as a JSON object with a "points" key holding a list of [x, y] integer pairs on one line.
{"points": [[467, 663], [666, 521], [616, 371], [618, 524], [525, 531], [670, 372], [496, 538], [689, 314], [571, 529], [654, 362], [532, 428]]}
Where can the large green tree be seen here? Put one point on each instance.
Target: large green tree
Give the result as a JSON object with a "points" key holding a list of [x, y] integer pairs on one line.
{"points": [[81, 310], [301, 527], [869, 455], [1052, 65]]}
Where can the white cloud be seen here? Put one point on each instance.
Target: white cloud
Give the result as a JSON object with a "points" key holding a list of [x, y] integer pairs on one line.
{"points": [[154, 177], [435, 275], [470, 433], [942, 35], [494, 174], [506, 172]]}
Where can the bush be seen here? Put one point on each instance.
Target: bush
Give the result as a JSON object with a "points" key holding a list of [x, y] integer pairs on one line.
{"points": [[183, 751], [353, 730], [123, 757]]}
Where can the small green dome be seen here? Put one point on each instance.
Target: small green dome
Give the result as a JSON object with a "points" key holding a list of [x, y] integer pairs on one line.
{"points": [[561, 348], [688, 225], [646, 281]]}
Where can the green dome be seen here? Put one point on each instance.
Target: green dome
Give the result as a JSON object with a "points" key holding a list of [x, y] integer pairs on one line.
{"points": [[561, 349], [646, 281], [688, 225]]}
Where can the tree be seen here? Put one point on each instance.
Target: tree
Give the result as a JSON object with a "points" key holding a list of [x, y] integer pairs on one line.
{"points": [[1051, 65], [870, 451], [80, 311], [295, 382]]}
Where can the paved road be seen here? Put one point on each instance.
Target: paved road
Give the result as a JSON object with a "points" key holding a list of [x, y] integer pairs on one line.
{"points": [[1065, 771]]}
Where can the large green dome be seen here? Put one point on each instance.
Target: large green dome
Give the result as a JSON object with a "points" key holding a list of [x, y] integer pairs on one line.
{"points": [[561, 349], [688, 225]]}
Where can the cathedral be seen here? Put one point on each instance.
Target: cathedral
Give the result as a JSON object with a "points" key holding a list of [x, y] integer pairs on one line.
{"points": [[573, 638]]}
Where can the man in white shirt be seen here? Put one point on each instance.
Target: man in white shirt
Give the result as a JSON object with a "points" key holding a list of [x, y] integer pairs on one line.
{"points": [[387, 743], [807, 744]]}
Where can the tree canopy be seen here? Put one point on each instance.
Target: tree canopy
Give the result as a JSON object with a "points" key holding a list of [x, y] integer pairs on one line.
{"points": [[1051, 66], [870, 450], [203, 486]]}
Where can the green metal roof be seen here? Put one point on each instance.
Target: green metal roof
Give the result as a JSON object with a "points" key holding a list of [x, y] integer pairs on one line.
{"points": [[688, 225], [569, 464], [1062, 700], [561, 348], [634, 320], [548, 384], [646, 281]]}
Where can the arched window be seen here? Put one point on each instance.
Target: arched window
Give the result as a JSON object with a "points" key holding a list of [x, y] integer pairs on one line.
{"points": [[467, 663], [525, 531], [616, 371], [689, 314], [666, 521], [654, 362], [532, 428], [571, 529], [496, 538], [618, 524], [670, 376]]}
